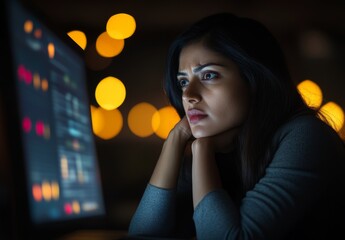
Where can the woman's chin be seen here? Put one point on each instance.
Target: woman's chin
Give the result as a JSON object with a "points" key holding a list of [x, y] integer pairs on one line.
{"points": [[201, 134]]}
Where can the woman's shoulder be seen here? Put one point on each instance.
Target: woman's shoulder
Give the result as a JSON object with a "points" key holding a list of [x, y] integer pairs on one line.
{"points": [[308, 129], [304, 119], [307, 124], [306, 142]]}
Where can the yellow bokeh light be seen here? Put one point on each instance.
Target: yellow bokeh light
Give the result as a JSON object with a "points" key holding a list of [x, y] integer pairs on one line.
{"points": [[333, 114], [110, 93], [113, 123], [78, 37], [166, 118], [121, 26], [109, 47], [97, 120], [311, 93], [140, 119]]}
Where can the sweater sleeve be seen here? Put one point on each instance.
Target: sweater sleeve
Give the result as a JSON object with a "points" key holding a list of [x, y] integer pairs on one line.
{"points": [[294, 180], [155, 214]]}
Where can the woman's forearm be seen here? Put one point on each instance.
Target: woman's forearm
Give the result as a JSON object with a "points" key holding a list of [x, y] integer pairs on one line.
{"points": [[155, 214], [167, 169], [205, 173]]}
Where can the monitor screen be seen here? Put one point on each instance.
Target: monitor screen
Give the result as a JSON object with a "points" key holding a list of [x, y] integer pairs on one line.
{"points": [[58, 154]]}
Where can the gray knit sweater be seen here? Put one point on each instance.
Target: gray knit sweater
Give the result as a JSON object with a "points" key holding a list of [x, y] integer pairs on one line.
{"points": [[301, 195]]}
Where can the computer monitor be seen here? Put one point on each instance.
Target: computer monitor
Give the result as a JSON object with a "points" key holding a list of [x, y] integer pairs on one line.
{"points": [[54, 167]]}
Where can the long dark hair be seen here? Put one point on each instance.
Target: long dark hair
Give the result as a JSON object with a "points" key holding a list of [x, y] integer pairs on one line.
{"points": [[274, 97]]}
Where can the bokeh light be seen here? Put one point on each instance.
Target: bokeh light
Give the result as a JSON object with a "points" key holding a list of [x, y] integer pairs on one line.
{"points": [[113, 122], [109, 47], [121, 26], [110, 93], [311, 93], [165, 118], [140, 119], [78, 37], [333, 114], [97, 120]]}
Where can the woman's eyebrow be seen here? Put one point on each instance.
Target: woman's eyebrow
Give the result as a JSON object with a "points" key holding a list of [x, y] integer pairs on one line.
{"points": [[199, 68]]}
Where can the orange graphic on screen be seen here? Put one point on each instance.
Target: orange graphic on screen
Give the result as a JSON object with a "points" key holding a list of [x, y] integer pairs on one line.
{"points": [[37, 192]]}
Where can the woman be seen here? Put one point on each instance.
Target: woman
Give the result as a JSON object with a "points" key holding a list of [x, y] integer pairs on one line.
{"points": [[248, 160]]}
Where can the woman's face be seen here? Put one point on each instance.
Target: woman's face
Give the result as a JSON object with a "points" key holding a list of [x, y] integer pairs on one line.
{"points": [[215, 97]]}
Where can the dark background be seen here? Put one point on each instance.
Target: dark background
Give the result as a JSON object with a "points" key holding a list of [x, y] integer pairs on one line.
{"points": [[312, 34]]}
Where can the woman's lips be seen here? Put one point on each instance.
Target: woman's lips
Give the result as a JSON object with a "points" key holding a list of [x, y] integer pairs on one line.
{"points": [[195, 115]]}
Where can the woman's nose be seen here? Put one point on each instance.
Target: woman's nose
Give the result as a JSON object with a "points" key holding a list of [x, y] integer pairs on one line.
{"points": [[192, 93]]}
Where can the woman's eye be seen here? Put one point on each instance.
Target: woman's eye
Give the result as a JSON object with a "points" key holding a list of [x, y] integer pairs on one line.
{"points": [[182, 83], [209, 76]]}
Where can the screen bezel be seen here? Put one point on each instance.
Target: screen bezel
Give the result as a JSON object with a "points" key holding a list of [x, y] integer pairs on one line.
{"points": [[23, 226]]}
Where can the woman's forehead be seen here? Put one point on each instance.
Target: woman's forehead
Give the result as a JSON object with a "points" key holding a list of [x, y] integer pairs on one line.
{"points": [[195, 55]]}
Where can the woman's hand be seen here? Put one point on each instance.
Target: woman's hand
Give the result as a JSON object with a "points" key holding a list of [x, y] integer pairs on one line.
{"points": [[167, 168], [182, 129]]}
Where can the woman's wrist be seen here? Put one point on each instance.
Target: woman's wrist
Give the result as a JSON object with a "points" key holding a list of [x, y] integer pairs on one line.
{"points": [[179, 135], [202, 144]]}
